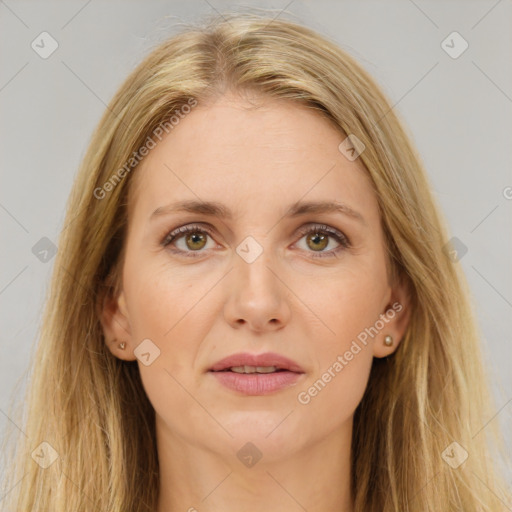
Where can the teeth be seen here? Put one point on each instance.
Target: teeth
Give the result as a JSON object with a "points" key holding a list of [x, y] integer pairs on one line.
{"points": [[253, 369]]}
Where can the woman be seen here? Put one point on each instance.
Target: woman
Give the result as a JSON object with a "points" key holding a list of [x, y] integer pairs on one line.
{"points": [[252, 307]]}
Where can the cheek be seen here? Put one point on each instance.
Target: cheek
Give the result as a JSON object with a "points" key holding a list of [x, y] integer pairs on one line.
{"points": [[348, 303], [331, 398], [163, 300], [172, 308], [344, 303], [167, 307]]}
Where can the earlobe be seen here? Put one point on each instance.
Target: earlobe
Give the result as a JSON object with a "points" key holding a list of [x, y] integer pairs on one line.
{"points": [[116, 327], [385, 345], [397, 314], [120, 349], [388, 340]]}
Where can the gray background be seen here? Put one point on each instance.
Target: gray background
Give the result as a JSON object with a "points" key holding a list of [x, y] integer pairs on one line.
{"points": [[458, 112]]}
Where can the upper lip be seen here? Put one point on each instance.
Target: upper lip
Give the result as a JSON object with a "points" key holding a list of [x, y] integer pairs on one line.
{"points": [[266, 359]]}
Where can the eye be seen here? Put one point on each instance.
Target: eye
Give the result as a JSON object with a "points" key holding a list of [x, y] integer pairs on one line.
{"points": [[194, 238], [317, 239]]}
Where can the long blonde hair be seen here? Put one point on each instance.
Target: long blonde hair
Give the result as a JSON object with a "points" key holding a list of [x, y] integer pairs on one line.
{"points": [[91, 408]]}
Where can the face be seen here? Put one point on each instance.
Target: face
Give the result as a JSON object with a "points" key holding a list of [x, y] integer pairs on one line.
{"points": [[311, 287]]}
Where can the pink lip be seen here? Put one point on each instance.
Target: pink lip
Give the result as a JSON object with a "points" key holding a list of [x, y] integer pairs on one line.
{"points": [[257, 383]]}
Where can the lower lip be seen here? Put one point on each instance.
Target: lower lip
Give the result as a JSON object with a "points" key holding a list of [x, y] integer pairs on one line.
{"points": [[257, 383]]}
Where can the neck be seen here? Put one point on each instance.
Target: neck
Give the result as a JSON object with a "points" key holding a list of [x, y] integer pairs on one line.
{"points": [[213, 478]]}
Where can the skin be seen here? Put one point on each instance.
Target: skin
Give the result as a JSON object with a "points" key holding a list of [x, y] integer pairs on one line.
{"points": [[256, 161]]}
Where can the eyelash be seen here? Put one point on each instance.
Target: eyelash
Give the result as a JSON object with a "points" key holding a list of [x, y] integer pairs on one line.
{"points": [[316, 228]]}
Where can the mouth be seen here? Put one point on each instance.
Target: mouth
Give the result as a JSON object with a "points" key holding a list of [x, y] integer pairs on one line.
{"points": [[252, 369], [267, 362], [251, 374]]}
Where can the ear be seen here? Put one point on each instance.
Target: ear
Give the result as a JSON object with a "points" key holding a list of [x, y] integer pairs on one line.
{"points": [[395, 317], [115, 322]]}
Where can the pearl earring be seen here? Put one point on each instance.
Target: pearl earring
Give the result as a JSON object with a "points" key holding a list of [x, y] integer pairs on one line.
{"points": [[388, 340]]}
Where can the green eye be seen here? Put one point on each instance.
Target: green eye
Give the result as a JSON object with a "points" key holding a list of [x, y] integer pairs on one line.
{"points": [[317, 239]]}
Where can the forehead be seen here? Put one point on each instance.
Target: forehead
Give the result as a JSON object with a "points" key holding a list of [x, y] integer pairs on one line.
{"points": [[250, 154]]}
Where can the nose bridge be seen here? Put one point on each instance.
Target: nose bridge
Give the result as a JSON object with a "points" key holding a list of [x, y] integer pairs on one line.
{"points": [[253, 263], [257, 297]]}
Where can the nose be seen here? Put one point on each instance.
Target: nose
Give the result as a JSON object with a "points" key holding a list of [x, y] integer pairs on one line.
{"points": [[260, 299]]}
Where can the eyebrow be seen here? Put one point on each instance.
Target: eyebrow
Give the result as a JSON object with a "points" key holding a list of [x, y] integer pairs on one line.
{"points": [[215, 209]]}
